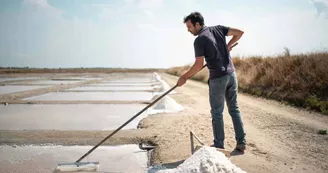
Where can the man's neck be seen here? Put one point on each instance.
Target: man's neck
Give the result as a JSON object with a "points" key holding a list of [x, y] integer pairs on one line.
{"points": [[201, 29]]}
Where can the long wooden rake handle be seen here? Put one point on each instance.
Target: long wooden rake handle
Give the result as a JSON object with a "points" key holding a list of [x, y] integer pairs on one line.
{"points": [[127, 122]]}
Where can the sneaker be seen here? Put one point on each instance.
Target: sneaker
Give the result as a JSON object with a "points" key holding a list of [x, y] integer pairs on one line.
{"points": [[216, 147], [241, 147]]}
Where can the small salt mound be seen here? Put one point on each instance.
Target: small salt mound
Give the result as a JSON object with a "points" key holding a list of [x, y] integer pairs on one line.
{"points": [[166, 105], [164, 86], [156, 77], [205, 160]]}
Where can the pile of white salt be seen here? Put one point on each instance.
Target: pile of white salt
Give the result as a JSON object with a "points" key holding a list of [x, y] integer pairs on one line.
{"points": [[205, 160]]}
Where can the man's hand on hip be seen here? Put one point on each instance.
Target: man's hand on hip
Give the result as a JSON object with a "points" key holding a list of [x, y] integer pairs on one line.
{"points": [[230, 47]]}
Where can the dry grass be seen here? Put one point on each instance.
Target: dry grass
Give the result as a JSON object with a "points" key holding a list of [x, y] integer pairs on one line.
{"points": [[300, 80]]}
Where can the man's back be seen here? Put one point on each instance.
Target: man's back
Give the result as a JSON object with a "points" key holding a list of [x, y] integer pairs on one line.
{"points": [[211, 43]]}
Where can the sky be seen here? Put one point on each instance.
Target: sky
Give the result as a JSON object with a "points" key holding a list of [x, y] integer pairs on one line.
{"points": [[150, 33]]}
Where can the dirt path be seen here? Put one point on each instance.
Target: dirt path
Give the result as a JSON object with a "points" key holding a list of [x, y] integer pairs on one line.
{"points": [[280, 138]]}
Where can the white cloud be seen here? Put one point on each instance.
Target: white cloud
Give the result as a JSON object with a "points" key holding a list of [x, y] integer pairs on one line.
{"points": [[43, 5], [145, 4], [150, 14], [23, 55], [127, 13], [148, 26], [150, 4], [321, 7], [106, 11], [111, 11], [130, 1]]}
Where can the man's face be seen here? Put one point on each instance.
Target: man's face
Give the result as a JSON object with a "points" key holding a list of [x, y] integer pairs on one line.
{"points": [[191, 28]]}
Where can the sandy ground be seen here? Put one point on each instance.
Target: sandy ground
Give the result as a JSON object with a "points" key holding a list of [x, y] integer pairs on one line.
{"points": [[280, 138]]}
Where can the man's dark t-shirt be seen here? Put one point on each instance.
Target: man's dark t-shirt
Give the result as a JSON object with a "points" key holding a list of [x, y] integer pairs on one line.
{"points": [[211, 44]]}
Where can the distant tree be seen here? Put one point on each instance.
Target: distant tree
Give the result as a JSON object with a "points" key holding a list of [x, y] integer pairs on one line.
{"points": [[286, 51]]}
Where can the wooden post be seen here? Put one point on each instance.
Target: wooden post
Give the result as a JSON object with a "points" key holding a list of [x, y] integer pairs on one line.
{"points": [[192, 143]]}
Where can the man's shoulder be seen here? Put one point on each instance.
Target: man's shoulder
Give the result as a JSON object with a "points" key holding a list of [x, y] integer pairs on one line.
{"points": [[199, 38], [210, 29], [204, 34], [220, 28]]}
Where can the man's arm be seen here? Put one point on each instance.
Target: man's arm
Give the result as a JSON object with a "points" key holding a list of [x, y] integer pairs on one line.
{"points": [[236, 35], [197, 66]]}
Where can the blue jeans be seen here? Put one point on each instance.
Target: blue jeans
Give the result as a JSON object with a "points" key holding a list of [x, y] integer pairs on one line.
{"points": [[221, 89]]}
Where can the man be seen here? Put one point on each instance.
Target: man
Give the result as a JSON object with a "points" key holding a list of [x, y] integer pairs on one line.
{"points": [[211, 46]]}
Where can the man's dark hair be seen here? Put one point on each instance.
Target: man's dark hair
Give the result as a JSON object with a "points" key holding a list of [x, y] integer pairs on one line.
{"points": [[194, 17]]}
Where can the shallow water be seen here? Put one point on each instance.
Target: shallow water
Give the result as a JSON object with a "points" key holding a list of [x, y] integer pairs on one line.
{"points": [[116, 88], [72, 79], [44, 159], [134, 80], [124, 84], [69, 117], [3, 79], [7, 89], [110, 96], [53, 82]]}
